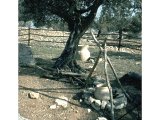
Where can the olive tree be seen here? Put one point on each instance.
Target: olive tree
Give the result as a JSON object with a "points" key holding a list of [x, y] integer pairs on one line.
{"points": [[78, 14]]}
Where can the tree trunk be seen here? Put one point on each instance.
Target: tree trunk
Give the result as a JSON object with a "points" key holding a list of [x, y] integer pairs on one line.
{"points": [[67, 58], [78, 24]]}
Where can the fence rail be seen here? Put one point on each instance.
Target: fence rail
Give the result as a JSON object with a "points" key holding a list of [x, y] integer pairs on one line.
{"points": [[48, 35]]}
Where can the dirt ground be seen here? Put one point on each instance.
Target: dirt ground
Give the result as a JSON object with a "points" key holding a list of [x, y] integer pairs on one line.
{"points": [[49, 89]]}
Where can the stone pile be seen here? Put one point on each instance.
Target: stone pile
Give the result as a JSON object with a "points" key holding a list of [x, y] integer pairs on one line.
{"points": [[98, 97]]}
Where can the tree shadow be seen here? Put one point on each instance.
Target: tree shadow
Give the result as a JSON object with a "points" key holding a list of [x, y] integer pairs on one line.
{"points": [[43, 69], [37, 71]]}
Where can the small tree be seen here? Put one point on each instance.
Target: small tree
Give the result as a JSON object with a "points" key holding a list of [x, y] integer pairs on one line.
{"points": [[121, 15]]}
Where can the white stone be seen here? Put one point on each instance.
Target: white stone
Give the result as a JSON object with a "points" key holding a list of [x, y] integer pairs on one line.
{"points": [[89, 110], [103, 104], [91, 100], [62, 101], [97, 102], [34, 95], [100, 60], [91, 61], [99, 85], [101, 118], [53, 106], [80, 100]]}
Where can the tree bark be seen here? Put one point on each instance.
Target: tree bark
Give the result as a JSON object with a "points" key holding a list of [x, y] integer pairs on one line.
{"points": [[67, 57]]}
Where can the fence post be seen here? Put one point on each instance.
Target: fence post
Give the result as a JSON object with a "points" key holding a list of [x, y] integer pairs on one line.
{"points": [[29, 36]]}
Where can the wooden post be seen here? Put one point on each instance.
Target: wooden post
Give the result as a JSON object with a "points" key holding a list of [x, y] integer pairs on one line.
{"points": [[29, 36], [120, 39]]}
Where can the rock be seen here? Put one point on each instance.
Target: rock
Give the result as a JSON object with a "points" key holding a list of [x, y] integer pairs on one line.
{"points": [[91, 100], [76, 111], [102, 93], [97, 102], [100, 60], [89, 110], [25, 56], [96, 105], [53, 106], [34, 95], [103, 104], [91, 61], [101, 118], [99, 85], [62, 101], [120, 101], [80, 100]]}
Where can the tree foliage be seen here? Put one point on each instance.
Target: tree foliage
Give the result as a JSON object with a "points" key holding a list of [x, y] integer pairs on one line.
{"points": [[122, 15]]}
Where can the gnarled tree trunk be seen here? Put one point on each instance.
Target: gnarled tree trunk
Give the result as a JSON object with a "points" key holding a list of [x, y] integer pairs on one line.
{"points": [[79, 14], [77, 26]]}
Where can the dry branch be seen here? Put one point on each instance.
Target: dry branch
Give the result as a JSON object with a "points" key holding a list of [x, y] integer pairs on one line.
{"points": [[108, 82], [106, 74], [71, 74], [108, 60], [115, 74], [96, 62]]}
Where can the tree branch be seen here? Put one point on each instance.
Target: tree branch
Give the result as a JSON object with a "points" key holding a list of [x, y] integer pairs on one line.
{"points": [[115, 74], [107, 80], [96, 62], [105, 68]]}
